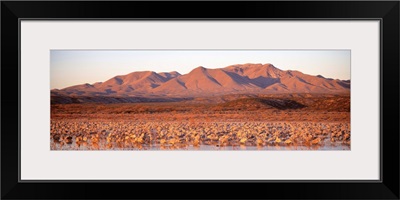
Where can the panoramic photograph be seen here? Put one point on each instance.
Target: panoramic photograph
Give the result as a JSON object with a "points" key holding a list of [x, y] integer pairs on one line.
{"points": [[200, 100]]}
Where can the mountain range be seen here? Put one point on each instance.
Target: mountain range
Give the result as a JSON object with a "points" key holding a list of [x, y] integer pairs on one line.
{"points": [[203, 82]]}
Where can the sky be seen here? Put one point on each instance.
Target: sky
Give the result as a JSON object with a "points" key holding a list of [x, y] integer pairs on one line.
{"points": [[73, 67]]}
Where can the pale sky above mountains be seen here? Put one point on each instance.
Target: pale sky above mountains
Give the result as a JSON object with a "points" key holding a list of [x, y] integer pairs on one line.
{"points": [[73, 67]]}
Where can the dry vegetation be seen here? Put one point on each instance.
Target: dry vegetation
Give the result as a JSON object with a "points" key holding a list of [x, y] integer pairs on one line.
{"points": [[255, 121]]}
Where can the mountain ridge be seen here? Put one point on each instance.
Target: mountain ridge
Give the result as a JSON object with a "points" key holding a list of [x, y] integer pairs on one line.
{"points": [[200, 82]]}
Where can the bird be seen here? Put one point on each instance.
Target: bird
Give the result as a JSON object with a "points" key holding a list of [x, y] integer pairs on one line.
{"points": [[223, 140], [56, 138], [288, 141], [243, 140], [68, 140], [260, 142], [316, 141]]}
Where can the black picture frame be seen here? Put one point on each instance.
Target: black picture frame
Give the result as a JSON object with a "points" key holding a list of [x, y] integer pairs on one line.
{"points": [[386, 11]]}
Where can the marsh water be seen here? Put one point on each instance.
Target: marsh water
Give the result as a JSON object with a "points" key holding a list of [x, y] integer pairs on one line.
{"points": [[101, 146]]}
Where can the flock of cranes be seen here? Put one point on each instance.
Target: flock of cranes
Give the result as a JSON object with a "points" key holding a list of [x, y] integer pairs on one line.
{"points": [[108, 135]]}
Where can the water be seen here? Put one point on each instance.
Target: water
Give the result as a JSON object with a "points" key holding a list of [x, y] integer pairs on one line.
{"points": [[87, 146]]}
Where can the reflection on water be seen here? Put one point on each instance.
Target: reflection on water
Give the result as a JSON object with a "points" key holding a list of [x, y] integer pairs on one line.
{"points": [[120, 146]]}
